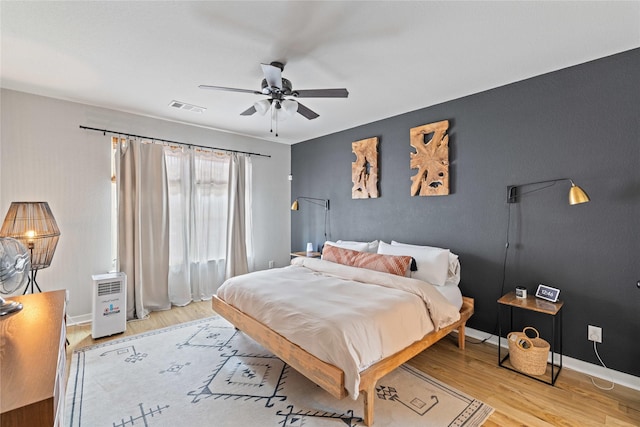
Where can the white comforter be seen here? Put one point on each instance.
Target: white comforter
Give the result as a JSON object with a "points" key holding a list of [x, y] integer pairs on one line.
{"points": [[346, 316]]}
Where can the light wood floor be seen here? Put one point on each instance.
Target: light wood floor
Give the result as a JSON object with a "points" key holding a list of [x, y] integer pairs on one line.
{"points": [[518, 400]]}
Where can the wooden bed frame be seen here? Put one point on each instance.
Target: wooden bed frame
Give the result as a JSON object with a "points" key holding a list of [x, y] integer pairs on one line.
{"points": [[326, 375]]}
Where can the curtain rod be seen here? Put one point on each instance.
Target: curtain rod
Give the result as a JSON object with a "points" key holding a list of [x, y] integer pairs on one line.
{"points": [[105, 131]]}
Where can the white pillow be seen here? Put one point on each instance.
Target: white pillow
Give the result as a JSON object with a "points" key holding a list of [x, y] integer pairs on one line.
{"points": [[453, 273], [354, 246], [371, 246], [432, 263], [453, 276]]}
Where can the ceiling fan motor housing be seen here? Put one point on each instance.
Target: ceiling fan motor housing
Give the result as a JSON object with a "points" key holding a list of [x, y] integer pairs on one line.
{"points": [[277, 92]]}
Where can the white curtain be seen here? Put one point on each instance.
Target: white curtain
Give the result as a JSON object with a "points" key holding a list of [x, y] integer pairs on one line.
{"points": [[236, 259], [248, 209], [143, 232], [203, 191]]}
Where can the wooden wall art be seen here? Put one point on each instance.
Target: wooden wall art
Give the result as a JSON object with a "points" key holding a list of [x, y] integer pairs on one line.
{"points": [[364, 171], [431, 159]]}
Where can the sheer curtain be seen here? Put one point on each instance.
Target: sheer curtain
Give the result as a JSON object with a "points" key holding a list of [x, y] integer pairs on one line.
{"points": [[204, 188], [143, 232]]}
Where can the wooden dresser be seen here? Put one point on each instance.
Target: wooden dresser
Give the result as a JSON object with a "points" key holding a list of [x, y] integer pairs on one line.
{"points": [[33, 361]]}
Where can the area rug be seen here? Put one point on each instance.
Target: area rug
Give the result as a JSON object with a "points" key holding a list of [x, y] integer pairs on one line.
{"points": [[206, 373]]}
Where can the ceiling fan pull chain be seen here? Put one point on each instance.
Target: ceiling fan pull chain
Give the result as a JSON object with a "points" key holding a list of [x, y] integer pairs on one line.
{"points": [[274, 117], [271, 130]]}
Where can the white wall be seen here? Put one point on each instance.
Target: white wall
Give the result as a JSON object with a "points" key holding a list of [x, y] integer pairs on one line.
{"points": [[47, 157]]}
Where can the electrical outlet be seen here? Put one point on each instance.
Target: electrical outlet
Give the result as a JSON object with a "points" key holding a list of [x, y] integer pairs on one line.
{"points": [[594, 333], [272, 264]]}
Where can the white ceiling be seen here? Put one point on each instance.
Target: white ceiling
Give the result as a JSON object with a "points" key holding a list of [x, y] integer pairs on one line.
{"points": [[393, 57]]}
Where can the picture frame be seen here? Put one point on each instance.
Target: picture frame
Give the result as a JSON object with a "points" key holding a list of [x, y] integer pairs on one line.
{"points": [[547, 293]]}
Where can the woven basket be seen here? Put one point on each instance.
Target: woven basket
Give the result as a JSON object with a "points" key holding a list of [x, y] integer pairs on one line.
{"points": [[528, 355]]}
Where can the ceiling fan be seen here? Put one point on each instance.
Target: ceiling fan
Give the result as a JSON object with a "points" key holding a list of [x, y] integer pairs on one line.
{"points": [[281, 94]]}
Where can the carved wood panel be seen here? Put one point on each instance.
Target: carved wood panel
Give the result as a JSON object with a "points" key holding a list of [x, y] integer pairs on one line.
{"points": [[431, 159], [364, 171]]}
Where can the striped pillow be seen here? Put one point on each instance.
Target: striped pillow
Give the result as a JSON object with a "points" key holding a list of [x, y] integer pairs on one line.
{"points": [[392, 264]]}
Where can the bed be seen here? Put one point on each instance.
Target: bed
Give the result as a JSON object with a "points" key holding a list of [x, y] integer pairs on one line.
{"points": [[296, 312]]}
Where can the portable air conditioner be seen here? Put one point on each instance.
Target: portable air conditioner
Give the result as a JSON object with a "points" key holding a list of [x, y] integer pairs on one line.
{"points": [[109, 304]]}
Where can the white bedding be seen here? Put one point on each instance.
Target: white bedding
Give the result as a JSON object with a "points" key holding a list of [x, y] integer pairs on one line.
{"points": [[453, 294], [346, 316]]}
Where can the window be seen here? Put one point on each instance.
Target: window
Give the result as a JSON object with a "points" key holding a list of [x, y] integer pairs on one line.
{"points": [[198, 204]]}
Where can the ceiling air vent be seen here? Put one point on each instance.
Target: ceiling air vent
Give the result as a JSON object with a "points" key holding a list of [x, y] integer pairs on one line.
{"points": [[188, 107]]}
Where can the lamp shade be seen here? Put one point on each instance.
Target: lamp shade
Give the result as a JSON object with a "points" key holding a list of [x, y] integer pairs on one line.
{"points": [[262, 106], [294, 205], [33, 224], [577, 195], [289, 106]]}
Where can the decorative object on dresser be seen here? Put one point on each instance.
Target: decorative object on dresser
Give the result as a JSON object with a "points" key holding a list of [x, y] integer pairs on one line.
{"points": [[364, 171], [33, 362], [431, 159], [14, 269], [33, 224]]}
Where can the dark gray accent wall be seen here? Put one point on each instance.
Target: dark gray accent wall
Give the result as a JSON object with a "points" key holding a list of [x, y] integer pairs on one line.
{"points": [[582, 123]]}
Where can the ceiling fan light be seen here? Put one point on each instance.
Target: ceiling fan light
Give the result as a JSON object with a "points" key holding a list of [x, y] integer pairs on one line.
{"points": [[289, 106], [280, 114], [262, 106]]}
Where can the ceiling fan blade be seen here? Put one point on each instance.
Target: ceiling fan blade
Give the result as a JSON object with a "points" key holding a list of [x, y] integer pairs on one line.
{"points": [[308, 113], [249, 111], [321, 93], [230, 89], [273, 75]]}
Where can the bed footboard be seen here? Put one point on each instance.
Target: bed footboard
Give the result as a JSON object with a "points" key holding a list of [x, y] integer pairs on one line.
{"points": [[323, 374], [327, 376]]}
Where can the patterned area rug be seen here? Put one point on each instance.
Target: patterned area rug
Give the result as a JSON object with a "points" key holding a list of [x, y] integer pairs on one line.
{"points": [[206, 373]]}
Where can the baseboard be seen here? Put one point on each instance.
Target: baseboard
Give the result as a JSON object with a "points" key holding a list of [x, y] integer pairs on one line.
{"points": [[597, 371], [78, 320], [587, 368]]}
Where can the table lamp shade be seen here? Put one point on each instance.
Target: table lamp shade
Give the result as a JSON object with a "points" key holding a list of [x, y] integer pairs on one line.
{"points": [[33, 224]]}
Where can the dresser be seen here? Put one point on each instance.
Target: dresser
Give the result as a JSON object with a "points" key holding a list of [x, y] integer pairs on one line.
{"points": [[33, 361]]}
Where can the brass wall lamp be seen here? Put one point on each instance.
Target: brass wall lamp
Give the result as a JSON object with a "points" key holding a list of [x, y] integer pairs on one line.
{"points": [[576, 194], [319, 202], [325, 202]]}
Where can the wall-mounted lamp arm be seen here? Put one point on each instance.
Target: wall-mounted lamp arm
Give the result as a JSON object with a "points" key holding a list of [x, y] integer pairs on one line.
{"points": [[325, 202], [576, 194]]}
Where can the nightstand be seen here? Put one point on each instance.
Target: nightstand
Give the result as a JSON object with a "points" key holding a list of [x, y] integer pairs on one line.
{"points": [[306, 254], [552, 310]]}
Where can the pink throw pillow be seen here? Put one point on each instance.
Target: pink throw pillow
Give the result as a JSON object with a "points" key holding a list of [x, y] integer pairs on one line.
{"points": [[392, 264]]}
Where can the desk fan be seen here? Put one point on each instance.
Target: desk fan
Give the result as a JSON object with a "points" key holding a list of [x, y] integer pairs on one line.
{"points": [[14, 268]]}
